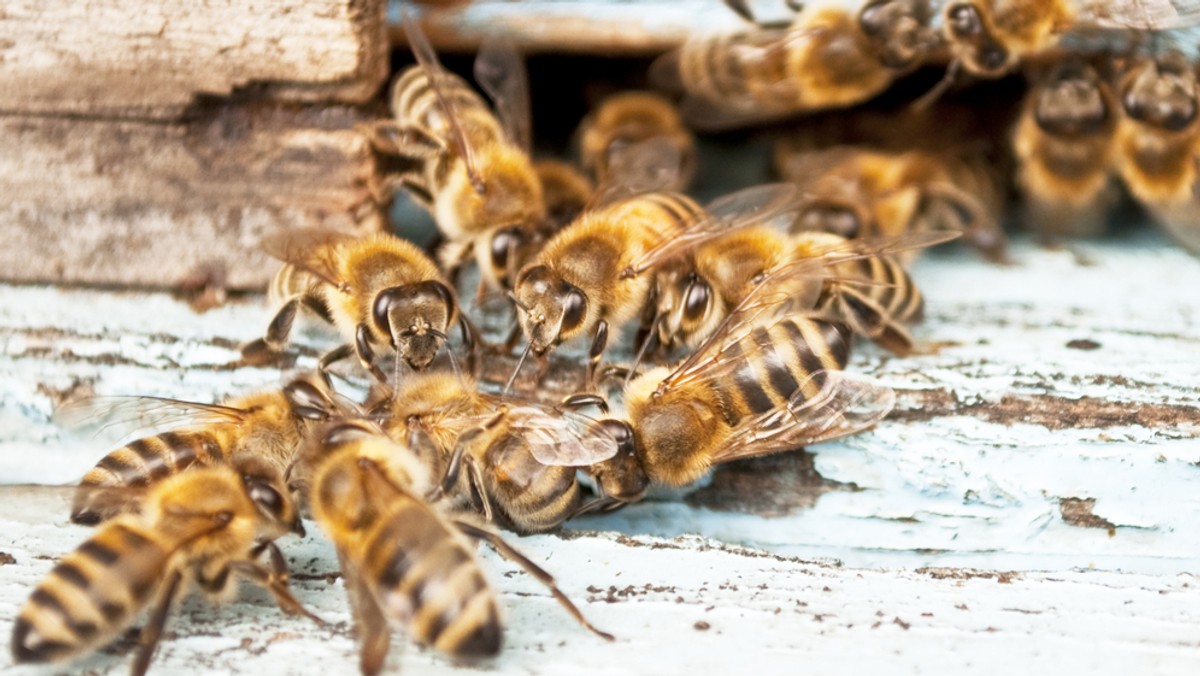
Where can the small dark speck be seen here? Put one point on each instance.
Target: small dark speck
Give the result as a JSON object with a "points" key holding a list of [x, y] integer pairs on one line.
{"points": [[926, 614], [962, 606], [6, 559], [826, 589], [1083, 344], [702, 626], [903, 625]]}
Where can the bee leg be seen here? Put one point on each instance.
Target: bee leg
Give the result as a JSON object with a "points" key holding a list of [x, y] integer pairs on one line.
{"points": [[369, 620], [152, 632], [509, 552], [479, 496], [649, 344], [329, 359], [742, 8], [599, 342], [472, 341], [274, 577], [366, 355], [457, 456], [601, 503], [584, 400]]}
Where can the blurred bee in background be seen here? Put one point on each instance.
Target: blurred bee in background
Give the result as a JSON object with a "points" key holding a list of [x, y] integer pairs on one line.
{"points": [[856, 192], [403, 560], [1158, 141], [207, 526], [514, 462], [381, 292], [827, 58], [989, 38], [1063, 143], [638, 138], [566, 192], [246, 431], [469, 166]]}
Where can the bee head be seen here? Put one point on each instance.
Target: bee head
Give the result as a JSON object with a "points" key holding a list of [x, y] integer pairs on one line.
{"points": [[973, 41], [621, 476], [413, 320], [265, 488], [1073, 102], [898, 30], [549, 308], [830, 216], [1163, 93]]}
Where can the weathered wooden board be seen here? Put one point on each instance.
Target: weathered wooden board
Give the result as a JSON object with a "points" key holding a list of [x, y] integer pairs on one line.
{"points": [[1031, 505], [148, 204], [152, 59]]}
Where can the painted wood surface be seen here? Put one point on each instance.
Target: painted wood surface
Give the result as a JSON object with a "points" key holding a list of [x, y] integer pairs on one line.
{"points": [[1031, 503], [145, 59]]}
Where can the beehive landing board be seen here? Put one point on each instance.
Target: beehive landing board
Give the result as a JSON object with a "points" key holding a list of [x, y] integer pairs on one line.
{"points": [[1030, 507]]}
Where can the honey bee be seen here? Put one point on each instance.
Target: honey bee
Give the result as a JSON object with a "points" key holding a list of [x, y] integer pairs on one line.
{"points": [[592, 274], [470, 168], [1064, 143], [827, 58], [513, 461], [381, 292], [1158, 142], [988, 38], [764, 383], [206, 526], [401, 558], [856, 192], [631, 131], [263, 427]]}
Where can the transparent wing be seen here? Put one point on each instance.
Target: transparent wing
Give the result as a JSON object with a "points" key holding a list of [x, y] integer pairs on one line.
{"points": [[312, 250], [500, 71], [562, 438], [427, 58], [846, 404], [1138, 14], [737, 210], [128, 416]]}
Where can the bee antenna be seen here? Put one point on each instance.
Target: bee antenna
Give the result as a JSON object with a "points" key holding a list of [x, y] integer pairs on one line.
{"points": [[928, 98], [513, 297], [520, 362]]}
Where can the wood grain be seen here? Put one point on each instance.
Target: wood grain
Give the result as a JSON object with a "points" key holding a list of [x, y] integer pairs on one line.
{"points": [[147, 204], [139, 58]]}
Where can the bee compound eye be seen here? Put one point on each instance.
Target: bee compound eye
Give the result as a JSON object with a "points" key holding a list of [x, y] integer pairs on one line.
{"points": [[574, 307], [383, 304], [619, 430], [695, 301], [993, 57], [504, 242], [266, 497]]}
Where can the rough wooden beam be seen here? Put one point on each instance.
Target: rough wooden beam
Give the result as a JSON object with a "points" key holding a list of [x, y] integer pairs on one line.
{"points": [[147, 204], [140, 58]]}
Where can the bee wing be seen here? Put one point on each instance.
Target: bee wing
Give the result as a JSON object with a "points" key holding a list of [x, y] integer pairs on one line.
{"points": [[500, 71], [136, 415], [725, 214], [309, 249], [846, 404], [428, 60], [649, 165], [1138, 14], [562, 438]]}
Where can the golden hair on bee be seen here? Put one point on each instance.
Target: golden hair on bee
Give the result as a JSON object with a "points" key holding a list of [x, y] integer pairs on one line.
{"points": [[467, 164], [1158, 141], [204, 527], [244, 431], [402, 559], [382, 293], [1064, 144], [626, 120], [828, 57]]}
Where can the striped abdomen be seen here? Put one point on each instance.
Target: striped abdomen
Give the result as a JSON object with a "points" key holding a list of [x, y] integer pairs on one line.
{"points": [[779, 363], [532, 497], [415, 104], [881, 309], [141, 463], [422, 572], [661, 214], [93, 594], [738, 67]]}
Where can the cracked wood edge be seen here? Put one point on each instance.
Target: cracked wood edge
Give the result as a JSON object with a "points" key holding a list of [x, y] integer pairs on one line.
{"points": [[137, 58], [1046, 456], [676, 606], [148, 204]]}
